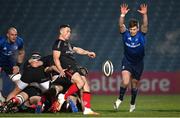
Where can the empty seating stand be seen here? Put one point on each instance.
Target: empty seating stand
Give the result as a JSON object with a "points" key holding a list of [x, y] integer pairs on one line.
{"points": [[95, 27]]}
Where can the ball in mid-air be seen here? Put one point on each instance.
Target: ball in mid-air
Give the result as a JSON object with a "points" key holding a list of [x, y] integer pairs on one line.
{"points": [[107, 68]]}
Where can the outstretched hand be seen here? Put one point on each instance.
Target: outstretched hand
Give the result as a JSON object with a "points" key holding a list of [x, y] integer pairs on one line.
{"points": [[91, 54], [124, 9], [143, 9]]}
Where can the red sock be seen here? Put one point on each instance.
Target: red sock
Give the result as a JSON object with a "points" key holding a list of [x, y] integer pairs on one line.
{"points": [[33, 106], [86, 99], [43, 99], [15, 100], [39, 103], [72, 89]]}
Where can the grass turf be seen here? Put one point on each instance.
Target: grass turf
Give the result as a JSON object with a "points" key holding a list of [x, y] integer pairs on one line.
{"points": [[147, 106]]}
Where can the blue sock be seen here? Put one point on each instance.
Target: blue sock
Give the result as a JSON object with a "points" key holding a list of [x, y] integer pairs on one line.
{"points": [[134, 92], [121, 93]]}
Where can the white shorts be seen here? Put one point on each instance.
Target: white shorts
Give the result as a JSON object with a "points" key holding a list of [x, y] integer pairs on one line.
{"points": [[43, 86]]}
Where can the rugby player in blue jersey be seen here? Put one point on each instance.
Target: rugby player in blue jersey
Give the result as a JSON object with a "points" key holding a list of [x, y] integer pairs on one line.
{"points": [[11, 55], [132, 64]]}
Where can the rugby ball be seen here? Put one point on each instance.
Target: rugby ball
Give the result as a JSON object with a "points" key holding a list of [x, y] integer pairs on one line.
{"points": [[107, 68]]}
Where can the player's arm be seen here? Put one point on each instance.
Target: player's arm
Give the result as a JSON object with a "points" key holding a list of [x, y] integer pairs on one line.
{"points": [[84, 52], [124, 10], [143, 11], [51, 69], [56, 56], [20, 59], [21, 55]]}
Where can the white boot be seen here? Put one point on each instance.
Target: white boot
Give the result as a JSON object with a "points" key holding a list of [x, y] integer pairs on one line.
{"points": [[89, 111], [132, 108], [117, 104], [61, 98]]}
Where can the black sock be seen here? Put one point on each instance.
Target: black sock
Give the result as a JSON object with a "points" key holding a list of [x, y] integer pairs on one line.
{"points": [[133, 95], [121, 93]]}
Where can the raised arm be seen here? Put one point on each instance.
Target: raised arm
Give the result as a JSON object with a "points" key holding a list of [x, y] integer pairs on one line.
{"points": [[143, 11], [124, 10]]}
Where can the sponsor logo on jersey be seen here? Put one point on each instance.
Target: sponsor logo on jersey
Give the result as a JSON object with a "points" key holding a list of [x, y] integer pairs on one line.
{"points": [[132, 45]]}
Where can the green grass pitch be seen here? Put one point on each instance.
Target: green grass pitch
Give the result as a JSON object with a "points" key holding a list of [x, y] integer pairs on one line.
{"points": [[147, 106]]}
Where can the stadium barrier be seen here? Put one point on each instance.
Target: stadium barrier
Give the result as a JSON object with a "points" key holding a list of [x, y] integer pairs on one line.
{"points": [[151, 83]]}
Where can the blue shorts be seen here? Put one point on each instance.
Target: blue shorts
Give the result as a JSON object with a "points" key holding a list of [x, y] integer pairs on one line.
{"points": [[135, 69]]}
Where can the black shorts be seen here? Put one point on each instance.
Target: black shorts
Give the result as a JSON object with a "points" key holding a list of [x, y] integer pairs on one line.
{"points": [[32, 91], [135, 69], [73, 66], [64, 82]]}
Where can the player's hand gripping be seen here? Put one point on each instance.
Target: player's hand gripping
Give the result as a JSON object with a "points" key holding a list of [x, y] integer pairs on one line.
{"points": [[143, 9], [62, 73], [124, 9], [16, 69]]}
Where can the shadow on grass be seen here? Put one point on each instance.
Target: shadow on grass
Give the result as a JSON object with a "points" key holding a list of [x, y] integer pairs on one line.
{"points": [[164, 110], [112, 111], [150, 110]]}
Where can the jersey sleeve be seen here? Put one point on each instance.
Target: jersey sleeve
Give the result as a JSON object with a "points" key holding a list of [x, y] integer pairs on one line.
{"points": [[57, 45], [1, 41], [20, 43]]}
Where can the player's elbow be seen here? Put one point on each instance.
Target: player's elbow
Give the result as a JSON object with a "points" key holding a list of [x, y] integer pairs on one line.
{"points": [[144, 29]]}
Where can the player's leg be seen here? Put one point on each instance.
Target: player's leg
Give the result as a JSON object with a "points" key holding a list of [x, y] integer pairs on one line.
{"points": [[60, 85], [15, 101], [86, 99], [134, 91], [2, 99], [34, 94], [86, 93], [15, 91], [78, 84], [36, 100], [126, 77], [20, 85], [137, 72]]}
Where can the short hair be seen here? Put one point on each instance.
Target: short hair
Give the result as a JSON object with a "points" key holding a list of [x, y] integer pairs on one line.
{"points": [[64, 25], [11, 28], [133, 23]]}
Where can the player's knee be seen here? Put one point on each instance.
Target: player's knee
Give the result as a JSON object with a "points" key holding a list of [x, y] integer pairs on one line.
{"points": [[34, 99], [80, 84], [78, 80], [134, 83], [125, 82]]}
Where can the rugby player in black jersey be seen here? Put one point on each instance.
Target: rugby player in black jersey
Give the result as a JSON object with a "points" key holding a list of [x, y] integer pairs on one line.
{"points": [[63, 55]]}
